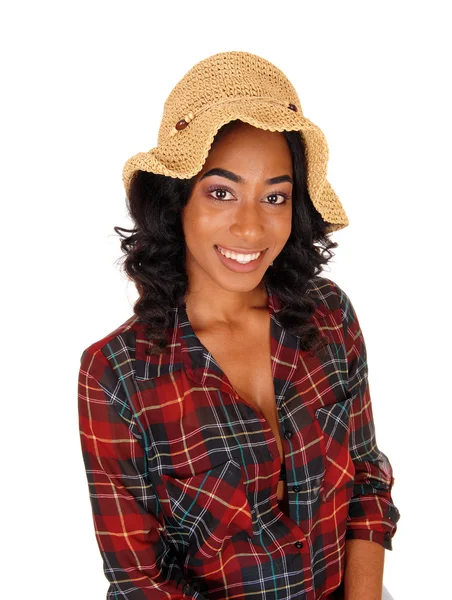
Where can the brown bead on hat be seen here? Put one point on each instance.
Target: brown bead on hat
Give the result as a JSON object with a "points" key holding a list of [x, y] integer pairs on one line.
{"points": [[222, 88]]}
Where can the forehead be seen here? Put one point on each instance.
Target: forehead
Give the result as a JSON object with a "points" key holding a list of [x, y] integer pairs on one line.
{"points": [[245, 148]]}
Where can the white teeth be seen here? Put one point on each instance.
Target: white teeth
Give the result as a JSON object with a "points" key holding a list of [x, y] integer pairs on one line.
{"points": [[241, 258]]}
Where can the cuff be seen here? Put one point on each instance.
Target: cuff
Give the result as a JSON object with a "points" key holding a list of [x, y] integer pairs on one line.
{"points": [[372, 518], [384, 539]]}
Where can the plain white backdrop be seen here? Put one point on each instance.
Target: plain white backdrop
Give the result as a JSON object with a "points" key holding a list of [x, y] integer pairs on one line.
{"points": [[83, 90]]}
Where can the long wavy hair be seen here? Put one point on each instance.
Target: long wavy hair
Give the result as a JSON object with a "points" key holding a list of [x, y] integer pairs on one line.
{"points": [[154, 252]]}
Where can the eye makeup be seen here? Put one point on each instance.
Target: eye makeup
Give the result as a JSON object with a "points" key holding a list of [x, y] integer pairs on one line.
{"points": [[215, 188]]}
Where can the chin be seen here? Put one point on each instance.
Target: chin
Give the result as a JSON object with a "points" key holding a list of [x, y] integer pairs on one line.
{"points": [[238, 286]]}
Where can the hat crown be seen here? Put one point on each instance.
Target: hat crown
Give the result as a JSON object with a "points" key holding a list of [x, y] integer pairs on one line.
{"points": [[226, 75]]}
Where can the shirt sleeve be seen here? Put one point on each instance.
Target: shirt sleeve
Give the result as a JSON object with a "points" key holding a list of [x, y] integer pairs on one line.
{"points": [[138, 561], [372, 513]]}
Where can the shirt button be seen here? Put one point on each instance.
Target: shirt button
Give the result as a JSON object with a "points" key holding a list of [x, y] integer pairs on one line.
{"points": [[298, 545], [287, 434], [296, 488]]}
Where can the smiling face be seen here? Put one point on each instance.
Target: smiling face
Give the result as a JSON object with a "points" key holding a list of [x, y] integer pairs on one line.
{"points": [[241, 201]]}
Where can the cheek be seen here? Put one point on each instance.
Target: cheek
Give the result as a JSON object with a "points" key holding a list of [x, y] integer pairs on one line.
{"points": [[200, 227], [281, 229]]}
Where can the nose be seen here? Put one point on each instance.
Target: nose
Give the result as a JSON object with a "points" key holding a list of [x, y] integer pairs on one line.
{"points": [[248, 223]]}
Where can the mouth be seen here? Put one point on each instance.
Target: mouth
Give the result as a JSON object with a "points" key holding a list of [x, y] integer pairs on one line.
{"points": [[242, 258], [238, 262]]}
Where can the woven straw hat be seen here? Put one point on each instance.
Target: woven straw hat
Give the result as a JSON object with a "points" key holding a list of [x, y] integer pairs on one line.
{"points": [[222, 88]]}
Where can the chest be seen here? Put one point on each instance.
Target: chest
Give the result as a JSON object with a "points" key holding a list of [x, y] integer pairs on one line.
{"points": [[245, 358]]}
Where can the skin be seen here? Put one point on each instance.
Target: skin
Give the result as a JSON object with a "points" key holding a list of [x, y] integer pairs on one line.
{"points": [[251, 217], [364, 566]]}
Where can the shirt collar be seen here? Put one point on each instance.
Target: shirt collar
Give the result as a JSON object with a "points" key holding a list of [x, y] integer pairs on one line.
{"points": [[185, 351], [202, 368]]}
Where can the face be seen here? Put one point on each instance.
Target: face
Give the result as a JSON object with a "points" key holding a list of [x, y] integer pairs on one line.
{"points": [[241, 203]]}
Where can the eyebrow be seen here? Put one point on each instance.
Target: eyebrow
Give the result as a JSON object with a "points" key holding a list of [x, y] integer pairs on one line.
{"points": [[238, 179]]}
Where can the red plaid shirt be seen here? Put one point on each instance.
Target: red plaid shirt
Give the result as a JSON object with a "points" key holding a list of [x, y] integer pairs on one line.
{"points": [[183, 473]]}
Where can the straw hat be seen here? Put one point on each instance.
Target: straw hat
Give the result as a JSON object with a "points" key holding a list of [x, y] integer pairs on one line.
{"points": [[222, 88]]}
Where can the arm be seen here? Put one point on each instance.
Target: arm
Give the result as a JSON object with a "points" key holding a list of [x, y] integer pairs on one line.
{"points": [[364, 563], [138, 562], [372, 514]]}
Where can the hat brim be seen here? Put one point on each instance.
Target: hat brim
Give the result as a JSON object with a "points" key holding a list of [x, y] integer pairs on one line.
{"points": [[183, 155]]}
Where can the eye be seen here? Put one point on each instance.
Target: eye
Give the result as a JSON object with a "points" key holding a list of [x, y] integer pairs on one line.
{"points": [[219, 190], [223, 191], [285, 197]]}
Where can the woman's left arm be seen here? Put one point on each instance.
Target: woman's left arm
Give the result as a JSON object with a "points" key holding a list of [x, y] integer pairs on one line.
{"points": [[372, 513], [372, 516], [364, 563]]}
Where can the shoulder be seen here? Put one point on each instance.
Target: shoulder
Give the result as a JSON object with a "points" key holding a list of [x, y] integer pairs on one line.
{"points": [[328, 294], [324, 292], [117, 344], [107, 378], [332, 299], [119, 358]]}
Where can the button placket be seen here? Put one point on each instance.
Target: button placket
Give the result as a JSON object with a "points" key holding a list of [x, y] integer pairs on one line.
{"points": [[288, 435]]}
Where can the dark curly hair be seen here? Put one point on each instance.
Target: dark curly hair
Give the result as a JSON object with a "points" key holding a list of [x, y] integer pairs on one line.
{"points": [[155, 252]]}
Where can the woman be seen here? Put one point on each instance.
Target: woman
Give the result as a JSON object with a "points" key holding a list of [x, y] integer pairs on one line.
{"points": [[227, 426]]}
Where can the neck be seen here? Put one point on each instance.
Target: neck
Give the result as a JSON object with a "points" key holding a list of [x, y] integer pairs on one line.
{"points": [[209, 308]]}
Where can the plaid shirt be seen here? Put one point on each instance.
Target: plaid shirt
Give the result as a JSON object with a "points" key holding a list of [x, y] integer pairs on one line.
{"points": [[182, 473]]}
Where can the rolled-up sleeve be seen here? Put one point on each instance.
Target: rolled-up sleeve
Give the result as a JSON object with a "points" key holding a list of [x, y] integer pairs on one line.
{"points": [[372, 513], [137, 560]]}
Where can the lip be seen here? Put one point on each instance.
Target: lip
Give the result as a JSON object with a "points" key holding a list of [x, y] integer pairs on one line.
{"points": [[233, 265]]}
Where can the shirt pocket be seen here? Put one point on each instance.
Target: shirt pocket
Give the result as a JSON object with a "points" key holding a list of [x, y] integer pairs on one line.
{"points": [[339, 472], [208, 508]]}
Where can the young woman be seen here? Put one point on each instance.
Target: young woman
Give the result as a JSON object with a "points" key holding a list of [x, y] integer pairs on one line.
{"points": [[227, 427]]}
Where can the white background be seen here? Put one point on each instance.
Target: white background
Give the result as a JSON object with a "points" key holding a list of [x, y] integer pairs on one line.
{"points": [[83, 90]]}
